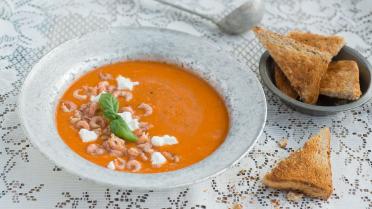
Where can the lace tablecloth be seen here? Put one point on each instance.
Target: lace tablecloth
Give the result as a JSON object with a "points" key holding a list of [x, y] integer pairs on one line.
{"points": [[30, 28]]}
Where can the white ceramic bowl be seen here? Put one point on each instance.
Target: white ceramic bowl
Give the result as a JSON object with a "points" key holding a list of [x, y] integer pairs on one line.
{"points": [[51, 76]]}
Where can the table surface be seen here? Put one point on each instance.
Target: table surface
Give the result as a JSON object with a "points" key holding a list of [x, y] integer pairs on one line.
{"points": [[31, 28]]}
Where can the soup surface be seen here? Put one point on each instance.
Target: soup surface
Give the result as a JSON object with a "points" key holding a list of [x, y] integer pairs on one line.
{"points": [[171, 107]]}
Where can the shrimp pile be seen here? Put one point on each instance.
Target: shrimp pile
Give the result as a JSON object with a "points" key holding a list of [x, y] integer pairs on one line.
{"points": [[127, 156]]}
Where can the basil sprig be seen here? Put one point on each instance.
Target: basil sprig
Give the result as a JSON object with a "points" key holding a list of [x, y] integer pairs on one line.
{"points": [[120, 128], [110, 106]]}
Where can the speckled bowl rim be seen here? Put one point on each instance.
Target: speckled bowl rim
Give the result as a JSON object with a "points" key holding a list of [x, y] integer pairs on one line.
{"points": [[317, 108], [247, 120]]}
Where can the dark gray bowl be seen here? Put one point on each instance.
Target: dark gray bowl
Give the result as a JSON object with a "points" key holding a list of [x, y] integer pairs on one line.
{"points": [[325, 105]]}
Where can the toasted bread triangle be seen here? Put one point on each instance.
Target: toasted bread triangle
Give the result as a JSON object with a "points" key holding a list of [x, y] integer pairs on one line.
{"points": [[307, 170], [303, 65], [331, 44], [341, 80], [342, 77], [283, 84]]}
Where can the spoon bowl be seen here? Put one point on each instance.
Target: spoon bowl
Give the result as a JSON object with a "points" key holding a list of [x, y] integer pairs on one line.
{"points": [[237, 21], [243, 18]]}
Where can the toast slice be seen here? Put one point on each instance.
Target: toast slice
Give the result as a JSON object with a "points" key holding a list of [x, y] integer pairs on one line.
{"points": [[303, 65], [331, 44], [341, 80], [307, 170], [283, 84]]}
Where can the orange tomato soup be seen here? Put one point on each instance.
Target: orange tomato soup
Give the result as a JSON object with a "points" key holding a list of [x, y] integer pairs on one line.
{"points": [[184, 106]]}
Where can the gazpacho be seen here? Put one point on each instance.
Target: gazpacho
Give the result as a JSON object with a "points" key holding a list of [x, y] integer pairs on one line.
{"points": [[142, 116]]}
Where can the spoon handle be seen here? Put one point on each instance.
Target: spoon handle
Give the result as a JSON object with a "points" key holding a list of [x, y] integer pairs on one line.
{"points": [[185, 10]]}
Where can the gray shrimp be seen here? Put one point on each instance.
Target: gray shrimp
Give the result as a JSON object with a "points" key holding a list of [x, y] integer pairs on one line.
{"points": [[97, 122], [105, 76], [147, 109], [82, 124], [134, 165], [76, 94], [95, 149], [68, 106]]}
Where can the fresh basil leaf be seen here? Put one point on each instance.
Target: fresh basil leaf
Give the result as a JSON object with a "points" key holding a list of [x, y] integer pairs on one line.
{"points": [[120, 128], [110, 105], [110, 115]]}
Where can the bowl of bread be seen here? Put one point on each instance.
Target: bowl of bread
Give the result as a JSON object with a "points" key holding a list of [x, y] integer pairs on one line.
{"points": [[312, 73]]}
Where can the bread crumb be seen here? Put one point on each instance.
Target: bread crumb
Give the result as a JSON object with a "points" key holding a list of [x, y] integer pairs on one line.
{"points": [[294, 196], [283, 143], [275, 202], [237, 206]]}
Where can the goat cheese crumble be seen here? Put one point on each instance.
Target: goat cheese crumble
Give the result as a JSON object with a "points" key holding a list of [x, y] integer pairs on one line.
{"points": [[87, 136], [157, 158], [125, 83], [111, 165], [163, 140], [133, 123]]}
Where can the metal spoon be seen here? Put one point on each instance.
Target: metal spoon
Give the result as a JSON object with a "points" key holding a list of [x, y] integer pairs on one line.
{"points": [[237, 21]]}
